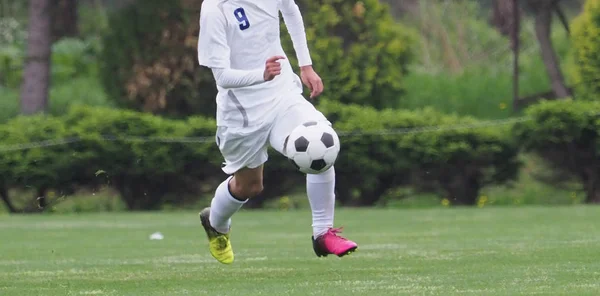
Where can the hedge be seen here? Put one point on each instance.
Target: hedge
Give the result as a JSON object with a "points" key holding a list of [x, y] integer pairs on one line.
{"points": [[137, 154], [567, 135], [454, 163], [146, 173], [585, 47]]}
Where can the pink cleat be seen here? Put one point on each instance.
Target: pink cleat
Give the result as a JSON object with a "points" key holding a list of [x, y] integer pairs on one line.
{"points": [[331, 243]]}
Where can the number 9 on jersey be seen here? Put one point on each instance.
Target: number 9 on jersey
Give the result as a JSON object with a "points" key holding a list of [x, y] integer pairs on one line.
{"points": [[240, 15]]}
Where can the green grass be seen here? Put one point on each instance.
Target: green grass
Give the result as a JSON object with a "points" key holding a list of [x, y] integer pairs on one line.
{"points": [[490, 251]]}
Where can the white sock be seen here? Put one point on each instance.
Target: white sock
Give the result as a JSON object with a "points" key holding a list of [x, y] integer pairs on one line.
{"points": [[222, 207], [321, 196]]}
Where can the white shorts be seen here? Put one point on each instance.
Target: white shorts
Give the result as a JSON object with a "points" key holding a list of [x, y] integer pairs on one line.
{"points": [[247, 146]]}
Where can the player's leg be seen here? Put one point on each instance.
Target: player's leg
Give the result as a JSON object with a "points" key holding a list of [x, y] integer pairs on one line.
{"points": [[320, 188], [232, 194], [245, 152]]}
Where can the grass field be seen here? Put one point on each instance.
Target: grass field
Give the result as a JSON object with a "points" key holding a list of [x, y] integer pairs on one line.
{"points": [[490, 251]]}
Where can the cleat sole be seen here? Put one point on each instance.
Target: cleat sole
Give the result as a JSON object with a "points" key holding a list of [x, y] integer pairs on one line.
{"points": [[350, 251]]}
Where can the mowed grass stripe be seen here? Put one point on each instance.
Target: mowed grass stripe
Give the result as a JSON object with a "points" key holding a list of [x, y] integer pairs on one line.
{"points": [[490, 251]]}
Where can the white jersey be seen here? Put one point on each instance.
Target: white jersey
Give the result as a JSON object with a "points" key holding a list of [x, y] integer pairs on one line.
{"points": [[242, 35]]}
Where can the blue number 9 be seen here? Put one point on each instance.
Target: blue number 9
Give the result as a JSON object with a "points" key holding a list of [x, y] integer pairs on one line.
{"points": [[240, 15]]}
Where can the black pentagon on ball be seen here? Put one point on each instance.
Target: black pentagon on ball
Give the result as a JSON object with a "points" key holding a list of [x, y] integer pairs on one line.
{"points": [[318, 164], [327, 139], [310, 123], [301, 144]]}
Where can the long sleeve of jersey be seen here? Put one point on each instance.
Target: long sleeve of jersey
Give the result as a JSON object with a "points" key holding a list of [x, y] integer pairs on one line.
{"points": [[213, 51], [230, 78], [295, 26]]}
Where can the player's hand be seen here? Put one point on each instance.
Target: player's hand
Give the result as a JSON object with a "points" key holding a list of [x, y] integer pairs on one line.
{"points": [[272, 67], [311, 79]]}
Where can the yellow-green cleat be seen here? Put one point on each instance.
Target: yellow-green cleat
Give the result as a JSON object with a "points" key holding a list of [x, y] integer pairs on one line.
{"points": [[218, 243]]}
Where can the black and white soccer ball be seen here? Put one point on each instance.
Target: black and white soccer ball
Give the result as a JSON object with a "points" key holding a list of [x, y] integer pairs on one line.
{"points": [[313, 147]]}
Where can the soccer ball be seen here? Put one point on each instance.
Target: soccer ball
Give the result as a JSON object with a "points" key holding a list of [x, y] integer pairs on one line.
{"points": [[313, 147]]}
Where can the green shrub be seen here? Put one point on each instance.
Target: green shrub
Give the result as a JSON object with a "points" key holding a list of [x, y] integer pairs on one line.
{"points": [[357, 48], [132, 152], [74, 76], [566, 135], [150, 59], [152, 161], [78, 91], [585, 48], [455, 163], [12, 41], [40, 167], [72, 57], [139, 158], [9, 104]]}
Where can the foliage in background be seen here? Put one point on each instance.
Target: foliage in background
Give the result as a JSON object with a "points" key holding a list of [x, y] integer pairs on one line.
{"points": [[457, 73], [586, 45], [75, 76], [454, 163], [150, 59], [75, 65], [148, 169], [39, 169], [145, 173], [566, 135], [455, 35], [457, 65], [12, 41], [358, 49]]}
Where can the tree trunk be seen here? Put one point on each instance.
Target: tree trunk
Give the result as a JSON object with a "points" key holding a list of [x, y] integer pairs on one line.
{"points": [[505, 15], [41, 199], [543, 21], [36, 77], [592, 188], [65, 21], [6, 199], [463, 190], [516, 46], [563, 18]]}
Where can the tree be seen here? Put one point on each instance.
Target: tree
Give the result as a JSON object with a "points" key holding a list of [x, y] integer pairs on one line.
{"points": [[36, 77], [150, 59], [65, 20], [543, 10], [585, 65], [506, 14], [358, 48]]}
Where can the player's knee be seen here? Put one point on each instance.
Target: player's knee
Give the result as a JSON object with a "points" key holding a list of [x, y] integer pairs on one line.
{"points": [[247, 189], [324, 177], [253, 189]]}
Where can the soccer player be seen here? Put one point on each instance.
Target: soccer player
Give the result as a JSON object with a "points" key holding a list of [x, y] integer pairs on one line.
{"points": [[259, 103]]}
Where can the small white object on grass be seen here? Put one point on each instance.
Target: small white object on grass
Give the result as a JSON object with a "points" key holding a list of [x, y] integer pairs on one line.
{"points": [[156, 236]]}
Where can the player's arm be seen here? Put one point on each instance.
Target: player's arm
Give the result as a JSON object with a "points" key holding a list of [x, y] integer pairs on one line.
{"points": [[295, 26], [214, 52], [230, 78]]}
